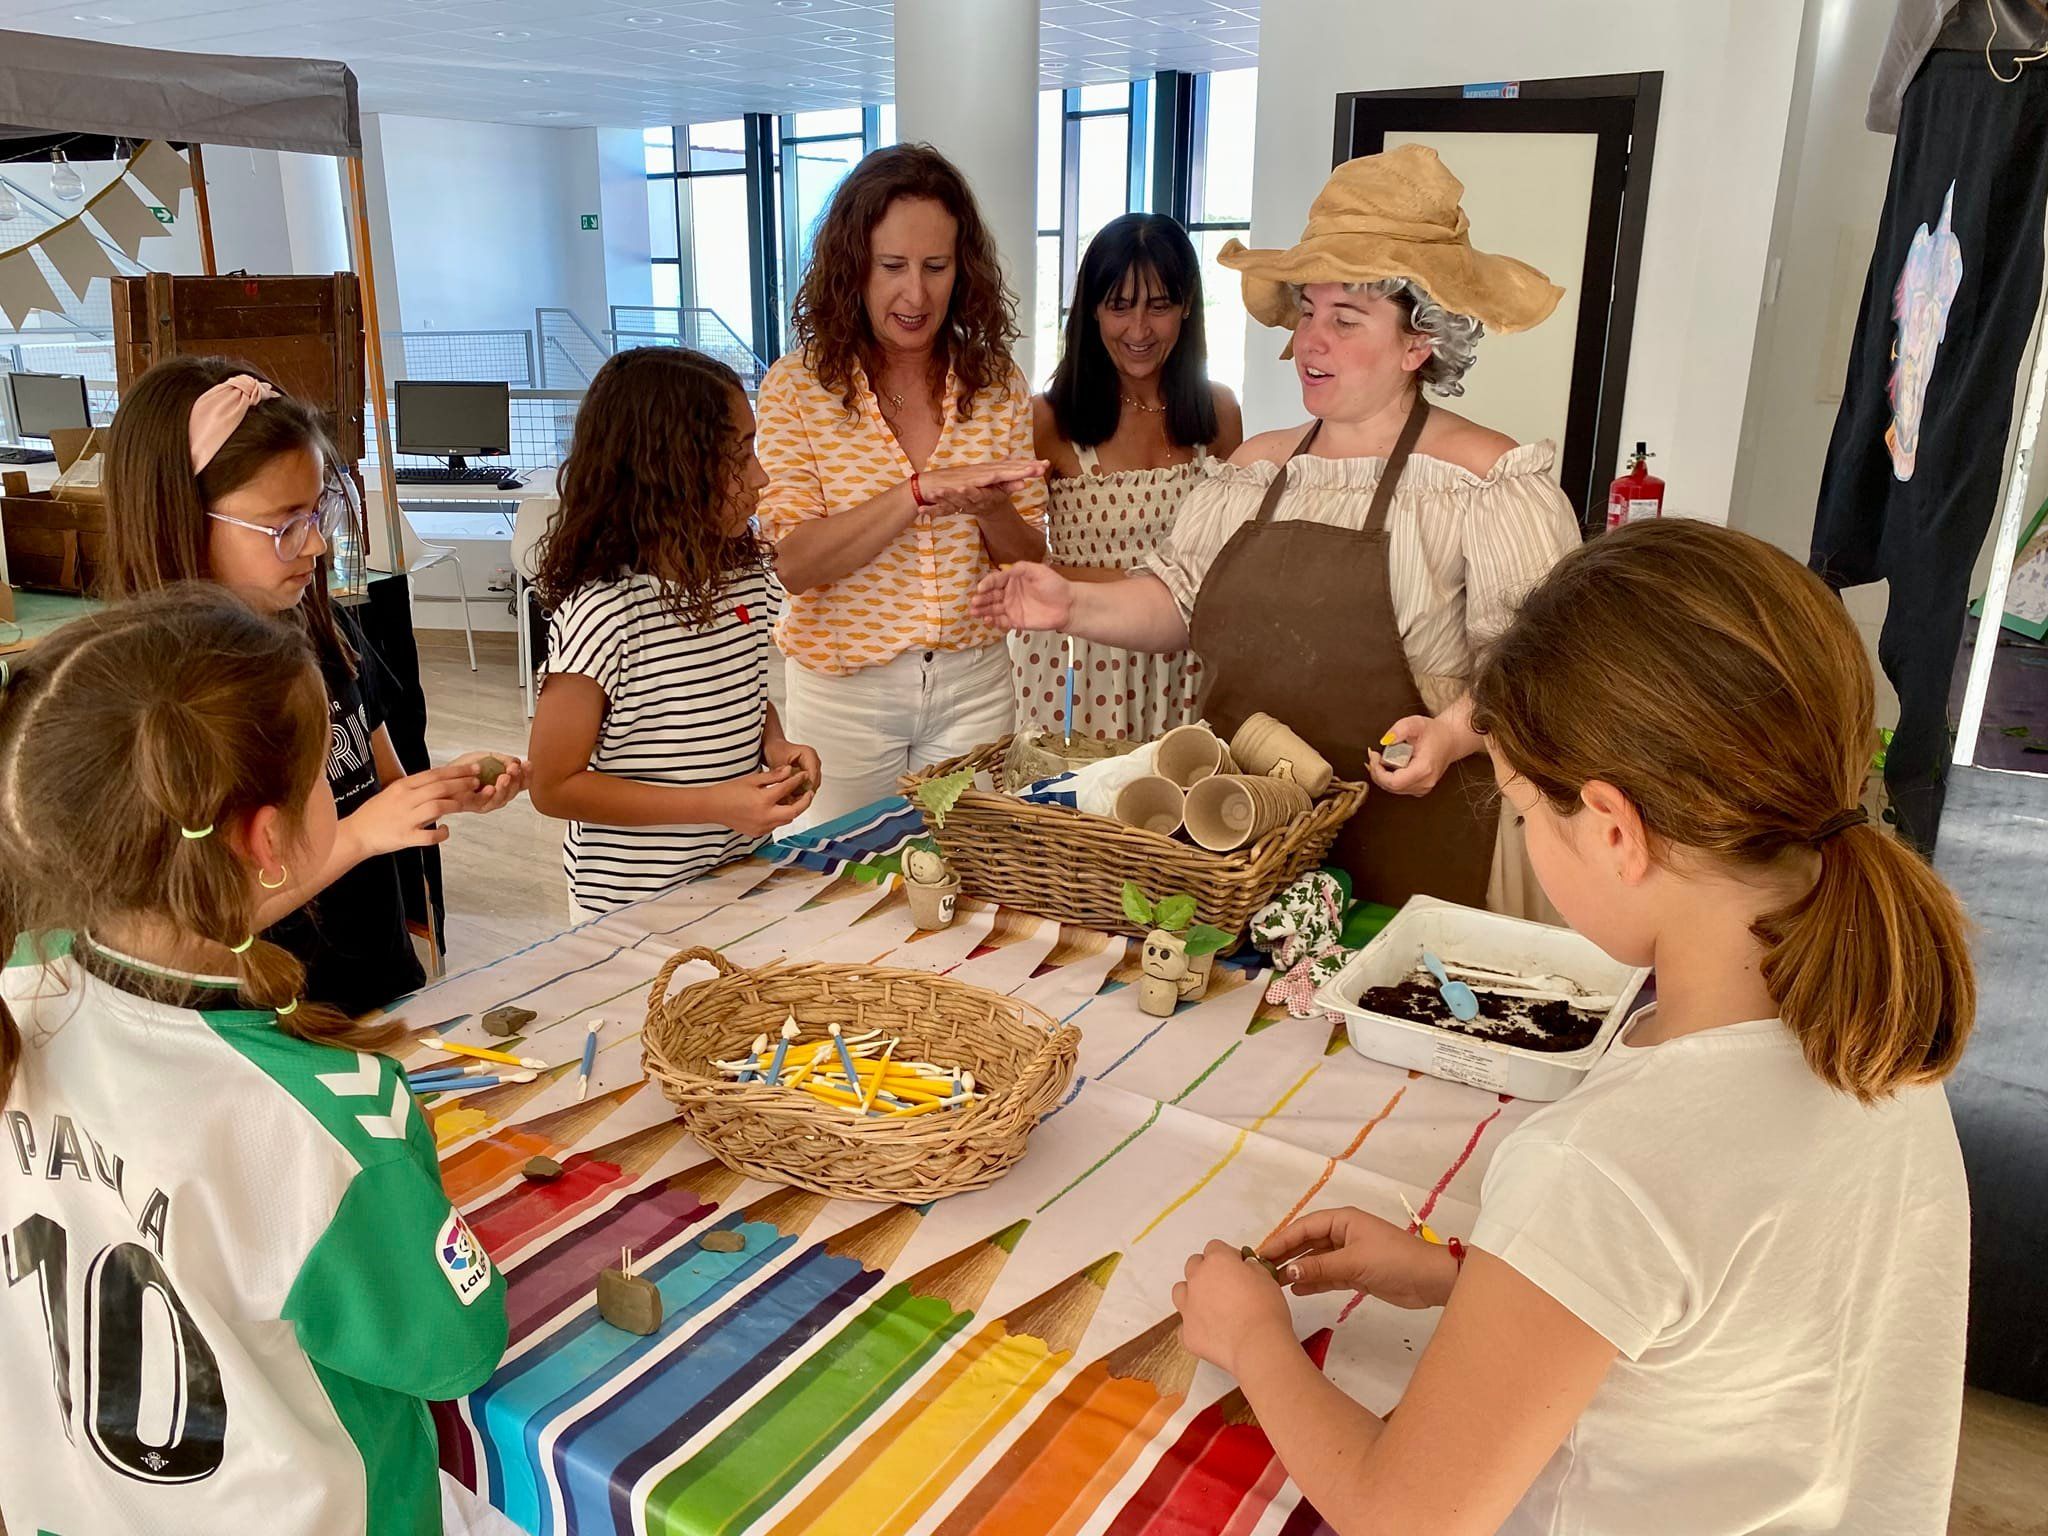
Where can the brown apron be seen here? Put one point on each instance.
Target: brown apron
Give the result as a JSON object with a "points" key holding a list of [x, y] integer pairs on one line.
{"points": [[1296, 619]]}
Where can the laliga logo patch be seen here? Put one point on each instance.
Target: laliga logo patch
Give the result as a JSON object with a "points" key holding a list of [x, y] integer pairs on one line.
{"points": [[462, 1259]]}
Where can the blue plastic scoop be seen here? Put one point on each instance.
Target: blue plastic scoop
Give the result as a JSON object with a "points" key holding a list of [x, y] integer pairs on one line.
{"points": [[1459, 998]]}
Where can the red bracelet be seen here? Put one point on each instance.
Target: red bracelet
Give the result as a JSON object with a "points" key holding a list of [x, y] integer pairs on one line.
{"points": [[1456, 1250], [917, 491]]}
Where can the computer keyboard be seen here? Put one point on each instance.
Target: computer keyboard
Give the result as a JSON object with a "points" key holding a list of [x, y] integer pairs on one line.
{"points": [[503, 477], [26, 455]]}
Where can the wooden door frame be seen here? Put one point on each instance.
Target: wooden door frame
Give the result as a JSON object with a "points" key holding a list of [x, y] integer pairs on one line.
{"points": [[1621, 112]]}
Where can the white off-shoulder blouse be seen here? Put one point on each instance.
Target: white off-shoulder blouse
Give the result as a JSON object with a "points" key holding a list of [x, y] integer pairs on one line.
{"points": [[1463, 548]]}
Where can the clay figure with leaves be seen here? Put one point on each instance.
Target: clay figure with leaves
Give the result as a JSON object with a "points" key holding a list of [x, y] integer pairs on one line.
{"points": [[1178, 954]]}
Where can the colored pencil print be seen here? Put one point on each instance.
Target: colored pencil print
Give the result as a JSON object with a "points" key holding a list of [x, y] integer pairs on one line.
{"points": [[453, 1119], [514, 1406], [528, 1212], [1219, 1476], [597, 1461], [540, 1286], [490, 1160], [755, 1460], [1059, 1470], [888, 1481]]}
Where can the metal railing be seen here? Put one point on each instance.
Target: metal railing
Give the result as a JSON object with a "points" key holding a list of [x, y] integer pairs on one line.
{"points": [[542, 423], [570, 352], [477, 357], [644, 325]]}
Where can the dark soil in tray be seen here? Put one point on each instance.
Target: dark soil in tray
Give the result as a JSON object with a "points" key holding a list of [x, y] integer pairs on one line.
{"points": [[1546, 1026]]}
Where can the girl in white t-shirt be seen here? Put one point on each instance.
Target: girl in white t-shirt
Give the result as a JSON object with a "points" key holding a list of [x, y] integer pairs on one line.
{"points": [[233, 1280], [1721, 1286], [654, 738]]}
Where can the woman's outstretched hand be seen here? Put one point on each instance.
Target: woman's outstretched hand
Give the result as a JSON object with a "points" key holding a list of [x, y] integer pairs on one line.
{"points": [[1024, 597]]}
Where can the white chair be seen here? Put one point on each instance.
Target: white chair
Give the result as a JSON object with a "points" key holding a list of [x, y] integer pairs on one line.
{"points": [[419, 555], [529, 526]]}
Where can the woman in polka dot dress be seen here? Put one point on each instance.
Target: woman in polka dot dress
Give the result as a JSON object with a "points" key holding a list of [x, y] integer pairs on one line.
{"points": [[1128, 424]]}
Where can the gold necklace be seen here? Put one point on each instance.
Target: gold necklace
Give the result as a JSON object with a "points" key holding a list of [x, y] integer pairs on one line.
{"points": [[1149, 410]]}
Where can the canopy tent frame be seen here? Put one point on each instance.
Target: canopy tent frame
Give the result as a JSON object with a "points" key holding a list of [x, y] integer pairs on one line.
{"points": [[62, 85]]}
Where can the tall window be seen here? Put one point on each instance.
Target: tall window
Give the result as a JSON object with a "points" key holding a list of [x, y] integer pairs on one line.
{"points": [[817, 150], [697, 228], [1220, 205], [1094, 163], [1095, 152]]}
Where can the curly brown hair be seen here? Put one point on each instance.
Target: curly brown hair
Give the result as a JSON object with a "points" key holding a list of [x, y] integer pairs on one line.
{"points": [[648, 482], [829, 317]]}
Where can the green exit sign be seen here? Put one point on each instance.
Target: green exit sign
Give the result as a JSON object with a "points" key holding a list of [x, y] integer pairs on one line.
{"points": [[163, 215], [590, 221]]}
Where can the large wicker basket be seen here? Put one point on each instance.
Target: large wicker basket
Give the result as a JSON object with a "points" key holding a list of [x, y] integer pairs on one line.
{"points": [[1020, 1058], [1063, 864]]}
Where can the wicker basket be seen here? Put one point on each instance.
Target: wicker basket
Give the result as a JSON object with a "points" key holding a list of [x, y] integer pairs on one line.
{"points": [[1018, 1056], [1063, 864]]}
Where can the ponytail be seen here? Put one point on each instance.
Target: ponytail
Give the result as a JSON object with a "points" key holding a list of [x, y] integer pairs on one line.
{"points": [[1723, 689], [1871, 968], [131, 744]]}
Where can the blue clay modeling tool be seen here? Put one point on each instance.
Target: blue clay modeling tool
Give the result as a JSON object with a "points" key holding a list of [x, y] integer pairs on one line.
{"points": [[1459, 998]]}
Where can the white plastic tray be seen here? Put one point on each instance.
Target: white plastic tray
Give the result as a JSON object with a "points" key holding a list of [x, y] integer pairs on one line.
{"points": [[1472, 937]]}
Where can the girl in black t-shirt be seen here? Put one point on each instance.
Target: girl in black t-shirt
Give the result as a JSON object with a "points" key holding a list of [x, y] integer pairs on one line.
{"points": [[214, 475]]}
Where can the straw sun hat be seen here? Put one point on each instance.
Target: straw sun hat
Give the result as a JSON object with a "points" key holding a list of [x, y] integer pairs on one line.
{"points": [[1395, 214]]}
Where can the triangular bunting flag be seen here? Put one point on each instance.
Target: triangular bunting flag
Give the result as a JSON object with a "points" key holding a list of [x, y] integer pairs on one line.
{"points": [[125, 217], [77, 255], [24, 288], [163, 170]]}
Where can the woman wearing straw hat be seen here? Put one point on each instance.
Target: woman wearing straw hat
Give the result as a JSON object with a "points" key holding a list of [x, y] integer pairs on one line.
{"points": [[1341, 577]]}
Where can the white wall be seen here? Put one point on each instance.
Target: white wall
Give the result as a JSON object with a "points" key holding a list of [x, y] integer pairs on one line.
{"points": [[622, 192], [483, 221], [1728, 77]]}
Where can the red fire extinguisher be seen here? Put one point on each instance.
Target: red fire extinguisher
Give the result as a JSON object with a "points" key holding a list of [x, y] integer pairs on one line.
{"points": [[1637, 494]]}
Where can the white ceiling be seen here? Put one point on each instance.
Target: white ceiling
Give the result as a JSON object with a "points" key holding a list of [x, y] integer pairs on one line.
{"points": [[629, 63]]}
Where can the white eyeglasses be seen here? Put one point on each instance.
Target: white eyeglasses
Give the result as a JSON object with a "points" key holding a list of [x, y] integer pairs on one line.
{"points": [[289, 539]]}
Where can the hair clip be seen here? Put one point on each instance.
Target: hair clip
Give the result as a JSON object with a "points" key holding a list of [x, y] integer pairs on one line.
{"points": [[243, 947], [288, 1009], [194, 834], [6, 673]]}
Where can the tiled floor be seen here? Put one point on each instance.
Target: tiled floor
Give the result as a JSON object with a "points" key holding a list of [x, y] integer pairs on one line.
{"points": [[505, 889]]}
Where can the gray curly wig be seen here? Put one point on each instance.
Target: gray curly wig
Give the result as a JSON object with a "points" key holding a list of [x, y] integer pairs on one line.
{"points": [[1453, 338]]}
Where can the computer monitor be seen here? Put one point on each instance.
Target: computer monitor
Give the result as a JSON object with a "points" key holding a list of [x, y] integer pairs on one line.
{"points": [[454, 420], [40, 404]]}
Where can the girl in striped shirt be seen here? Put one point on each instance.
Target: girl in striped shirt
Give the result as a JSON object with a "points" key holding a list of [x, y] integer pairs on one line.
{"points": [[654, 737]]}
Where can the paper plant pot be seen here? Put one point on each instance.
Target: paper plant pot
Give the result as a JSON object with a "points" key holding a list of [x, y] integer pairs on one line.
{"points": [[932, 906], [1265, 747], [1229, 811], [1189, 754], [1154, 803]]}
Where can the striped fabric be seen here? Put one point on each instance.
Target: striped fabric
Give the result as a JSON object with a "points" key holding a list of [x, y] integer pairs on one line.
{"points": [[683, 706], [821, 460], [1464, 549]]}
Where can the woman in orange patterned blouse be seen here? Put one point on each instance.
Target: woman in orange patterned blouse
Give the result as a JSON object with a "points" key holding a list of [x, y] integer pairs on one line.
{"points": [[897, 440]]}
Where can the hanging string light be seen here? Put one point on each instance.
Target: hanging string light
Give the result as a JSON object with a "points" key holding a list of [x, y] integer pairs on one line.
{"points": [[66, 185]]}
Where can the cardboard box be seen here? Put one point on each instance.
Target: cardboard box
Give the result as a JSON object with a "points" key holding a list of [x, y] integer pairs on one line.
{"points": [[80, 459]]}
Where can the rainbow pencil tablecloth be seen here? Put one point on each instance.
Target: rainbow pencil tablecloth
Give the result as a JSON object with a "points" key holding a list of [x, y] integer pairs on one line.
{"points": [[998, 1364]]}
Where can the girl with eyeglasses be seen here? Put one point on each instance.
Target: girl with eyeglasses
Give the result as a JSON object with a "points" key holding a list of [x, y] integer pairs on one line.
{"points": [[214, 475]]}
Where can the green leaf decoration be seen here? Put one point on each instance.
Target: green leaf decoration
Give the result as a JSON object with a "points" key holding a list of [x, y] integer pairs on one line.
{"points": [[1204, 940], [1175, 913], [1137, 907], [939, 796]]}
